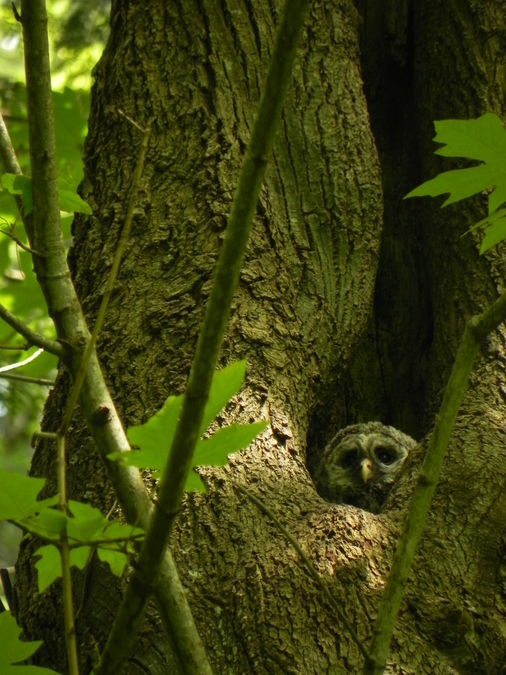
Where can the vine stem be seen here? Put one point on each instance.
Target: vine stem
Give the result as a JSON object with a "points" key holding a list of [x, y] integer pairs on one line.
{"points": [[68, 608], [477, 329], [225, 281]]}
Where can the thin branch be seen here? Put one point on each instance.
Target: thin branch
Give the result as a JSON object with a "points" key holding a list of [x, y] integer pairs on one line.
{"points": [[7, 154], [125, 233], [17, 348], [259, 504], [476, 330], [24, 378], [7, 586], [33, 338], [129, 616], [18, 241], [65, 310]]}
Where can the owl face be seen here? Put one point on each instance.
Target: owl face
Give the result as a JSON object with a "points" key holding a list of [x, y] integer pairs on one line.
{"points": [[361, 463]]}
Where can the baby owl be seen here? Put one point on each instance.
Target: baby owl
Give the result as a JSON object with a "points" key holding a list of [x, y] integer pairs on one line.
{"points": [[361, 463]]}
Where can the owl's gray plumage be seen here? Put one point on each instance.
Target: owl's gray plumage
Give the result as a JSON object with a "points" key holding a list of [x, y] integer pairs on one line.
{"points": [[361, 463]]}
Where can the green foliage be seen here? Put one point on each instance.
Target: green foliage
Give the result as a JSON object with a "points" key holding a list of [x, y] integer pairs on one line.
{"points": [[22, 185], [86, 527], [18, 495], [20, 403], [154, 438], [12, 650], [482, 139], [78, 30]]}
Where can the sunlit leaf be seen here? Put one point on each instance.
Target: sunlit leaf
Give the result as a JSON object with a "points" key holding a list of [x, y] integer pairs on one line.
{"points": [[12, 650], [482, 139], [226, 383], [86, 522], [115, 559], [18, 495], [155, 436], [49, 565]]}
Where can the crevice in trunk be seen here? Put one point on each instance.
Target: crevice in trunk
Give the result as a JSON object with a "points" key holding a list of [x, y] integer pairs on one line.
{"points": [[387, 378]]}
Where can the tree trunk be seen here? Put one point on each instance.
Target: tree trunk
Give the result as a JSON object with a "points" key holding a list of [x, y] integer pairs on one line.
{"points": [[323, 349]]}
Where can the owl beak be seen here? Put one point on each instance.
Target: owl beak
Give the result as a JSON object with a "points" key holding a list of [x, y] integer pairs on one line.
{"points": [[366, 469]]}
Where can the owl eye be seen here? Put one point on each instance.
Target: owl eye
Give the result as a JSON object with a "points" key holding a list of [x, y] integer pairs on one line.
{"points": [[349, 459], [385, 456]]}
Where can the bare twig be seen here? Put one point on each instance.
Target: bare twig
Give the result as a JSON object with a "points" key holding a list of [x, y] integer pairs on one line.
{"points": [[7, 586], [18, 241], [17, 348], [44, 234], [20, 364], [25, 378], [33, 338]]}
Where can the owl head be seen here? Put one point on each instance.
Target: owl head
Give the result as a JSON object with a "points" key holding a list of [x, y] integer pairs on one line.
{"points": [[361, 463]]}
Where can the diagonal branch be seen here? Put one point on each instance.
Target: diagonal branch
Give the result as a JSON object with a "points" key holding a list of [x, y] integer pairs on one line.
{"points": [[64, 308], [30, 335], [225, 282], [476, 331]]}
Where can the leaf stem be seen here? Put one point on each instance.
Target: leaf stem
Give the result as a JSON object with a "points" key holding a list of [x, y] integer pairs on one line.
{"points": [[63, 547]]}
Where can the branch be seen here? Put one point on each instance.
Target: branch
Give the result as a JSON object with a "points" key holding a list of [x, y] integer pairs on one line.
{"points": [[259, 504], [30, 335], [225, 282], [477, 329], [25, 378], [65, 310], [125, 233]]}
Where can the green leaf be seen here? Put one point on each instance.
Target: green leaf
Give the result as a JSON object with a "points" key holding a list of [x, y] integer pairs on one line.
{"points": [[72, 202], [18, 495], [19, 185], [155, 436], [69, 201], [226, 383], [49, 565], [214, 451], [79, 556], [87, 521], [493, 235], [47, 524], [12, 650], [115, 559], [481, 139]]}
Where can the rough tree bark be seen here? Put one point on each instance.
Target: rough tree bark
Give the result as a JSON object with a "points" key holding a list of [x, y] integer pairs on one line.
{"points": [[323, 350]]}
